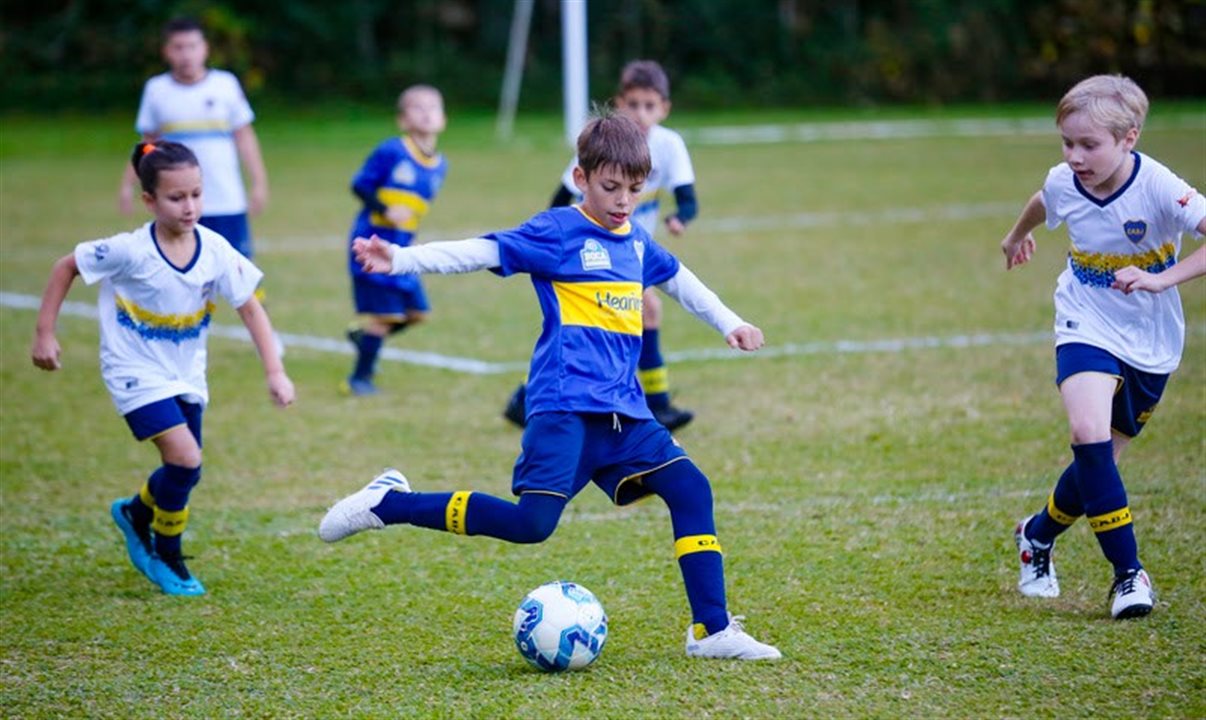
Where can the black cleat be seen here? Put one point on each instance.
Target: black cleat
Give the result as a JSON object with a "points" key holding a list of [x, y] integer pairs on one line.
{"points": [[673, 418], [516, 410]]}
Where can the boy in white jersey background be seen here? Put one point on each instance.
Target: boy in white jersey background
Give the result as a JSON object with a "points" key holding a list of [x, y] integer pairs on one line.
{"points": [[205, 109], [1119, 326], [159, 285], [644, 96], [587, 416]]}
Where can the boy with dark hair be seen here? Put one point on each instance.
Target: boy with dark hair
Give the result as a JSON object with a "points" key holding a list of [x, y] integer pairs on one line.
{"points": [[587, 417]]}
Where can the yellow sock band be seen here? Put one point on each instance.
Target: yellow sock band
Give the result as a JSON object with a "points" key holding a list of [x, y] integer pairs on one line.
{"points": [[454, 512], [144, 494], [699, 631], [655, 380], [695, 543], [1058, 515], [1111, 520], [169, 522]]}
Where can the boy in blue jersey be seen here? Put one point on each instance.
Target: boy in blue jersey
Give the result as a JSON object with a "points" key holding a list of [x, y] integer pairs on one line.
{"points": [[644, 96], [396, 185], [587, 416]]}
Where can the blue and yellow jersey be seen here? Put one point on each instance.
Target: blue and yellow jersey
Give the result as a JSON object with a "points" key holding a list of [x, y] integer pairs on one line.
{"points": [[589, 281], [397, 173]]}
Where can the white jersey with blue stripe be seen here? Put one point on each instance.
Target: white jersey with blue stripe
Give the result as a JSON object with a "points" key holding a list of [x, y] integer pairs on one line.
{"points": [[154, 316], [203, 116], [1141, 224], [671, 168]]}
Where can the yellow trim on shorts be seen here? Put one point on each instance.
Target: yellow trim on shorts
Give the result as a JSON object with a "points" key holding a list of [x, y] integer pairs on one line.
{"points": [[615, 498], [1111, 520], [170, 522], [165, 431], [690, 544], [1056, 514], [455, 511]]}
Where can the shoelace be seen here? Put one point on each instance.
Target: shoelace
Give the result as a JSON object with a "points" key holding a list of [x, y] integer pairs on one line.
{"points": [[1040, 560], [737, 623], [1124, 585]]}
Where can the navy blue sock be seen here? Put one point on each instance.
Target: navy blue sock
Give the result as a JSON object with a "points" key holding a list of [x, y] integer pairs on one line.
{"points": [[531, 520], [688, 495], [368, 348], [171, 507], [652, 372], [1106, 504], [1062, 509]]}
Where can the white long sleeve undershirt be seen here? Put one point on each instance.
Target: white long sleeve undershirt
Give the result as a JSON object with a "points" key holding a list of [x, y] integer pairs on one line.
{"points": [[462, 256]]}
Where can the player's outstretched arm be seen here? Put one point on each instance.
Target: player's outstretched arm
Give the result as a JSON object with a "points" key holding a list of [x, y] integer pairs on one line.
{"points": [[280, 387], [746, 337], [700, 301], [445, 258], [373, 254], [45, 351], [1018, 245]]}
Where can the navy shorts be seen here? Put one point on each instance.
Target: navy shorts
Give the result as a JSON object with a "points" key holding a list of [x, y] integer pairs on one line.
{"points": [[390, 295], [234, 228], [1137, 394], [160, 416], [563, 451]]}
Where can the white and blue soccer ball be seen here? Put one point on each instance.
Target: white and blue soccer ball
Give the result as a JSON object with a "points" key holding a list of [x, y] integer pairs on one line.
{"points": [[560, 626]]}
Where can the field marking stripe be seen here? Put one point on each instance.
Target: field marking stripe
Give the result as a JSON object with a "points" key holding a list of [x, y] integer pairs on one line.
{"points": [[473, 366]]}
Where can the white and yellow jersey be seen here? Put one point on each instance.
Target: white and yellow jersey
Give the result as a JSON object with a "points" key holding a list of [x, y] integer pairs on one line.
{"points": [[203, 116], [154, 316], [671, 169], [1141, 224]]}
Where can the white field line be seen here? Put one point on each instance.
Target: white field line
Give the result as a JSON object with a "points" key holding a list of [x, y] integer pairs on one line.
{"points": [[733, 224], [899, 130]]}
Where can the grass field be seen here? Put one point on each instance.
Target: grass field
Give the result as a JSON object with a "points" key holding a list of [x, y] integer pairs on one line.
{"points": [[865, 492]]}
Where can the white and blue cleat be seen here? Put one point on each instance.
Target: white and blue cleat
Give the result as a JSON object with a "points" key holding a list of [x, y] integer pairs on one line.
{"points": [[354, 513]]}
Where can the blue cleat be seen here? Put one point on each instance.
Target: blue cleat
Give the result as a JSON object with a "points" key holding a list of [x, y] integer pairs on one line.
{"points": [[358, 387], [138, 540], [171, 575]]}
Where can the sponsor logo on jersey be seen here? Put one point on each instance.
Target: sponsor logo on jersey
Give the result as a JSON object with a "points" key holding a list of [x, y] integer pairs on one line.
{"points": [[618, 303], [594, 256], [1183, 201], [100, 250], [1135, 230], [404, 173]]}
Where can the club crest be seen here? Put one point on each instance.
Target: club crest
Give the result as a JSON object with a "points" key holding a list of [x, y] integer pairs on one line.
{"points": [[639, 246], [404, 173], [1135, 230], [594, 256]]}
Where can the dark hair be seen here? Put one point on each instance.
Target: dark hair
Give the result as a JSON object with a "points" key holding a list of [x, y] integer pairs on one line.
{"points": [[645, 75], [613, 139], [180, 25], [151, 158]]}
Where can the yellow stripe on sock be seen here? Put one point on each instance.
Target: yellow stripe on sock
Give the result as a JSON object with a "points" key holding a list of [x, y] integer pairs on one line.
{"points": [[695, 543], [454, 512], [1058, 515], [144, 494], [699, 630], [1111, 520], [655, 380], [169, 522]]}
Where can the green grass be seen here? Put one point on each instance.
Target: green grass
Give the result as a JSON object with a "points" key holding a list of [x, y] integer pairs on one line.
{"points": [[864, 500]]}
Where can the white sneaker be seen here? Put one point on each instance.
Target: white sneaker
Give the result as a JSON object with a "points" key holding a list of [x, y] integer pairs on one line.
{"points": [[732, 642], [1132, 595], [354, 514], [1037, 577]]}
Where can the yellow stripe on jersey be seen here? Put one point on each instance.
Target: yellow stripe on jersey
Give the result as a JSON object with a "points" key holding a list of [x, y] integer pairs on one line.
{"points": [[611, 306], [1058, 515], [695, 543], [1160, 257], [1111, 520], [185, 126], [454, 512], [405, 198], [655, 380], [166, 326], [169, 522]]}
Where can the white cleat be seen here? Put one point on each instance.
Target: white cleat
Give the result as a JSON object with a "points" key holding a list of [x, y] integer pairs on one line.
{"points": [[1037, 576], [354, 514], [1132, 595], [732, 642]]}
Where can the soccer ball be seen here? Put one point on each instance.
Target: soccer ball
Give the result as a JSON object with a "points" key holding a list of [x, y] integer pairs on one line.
{"points": [[560, 626]]}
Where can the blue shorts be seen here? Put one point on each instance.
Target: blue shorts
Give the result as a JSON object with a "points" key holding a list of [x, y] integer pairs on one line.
{"points": [[1137, 394], [563, 451], [385, 295], [234, 228], [160, 416]]}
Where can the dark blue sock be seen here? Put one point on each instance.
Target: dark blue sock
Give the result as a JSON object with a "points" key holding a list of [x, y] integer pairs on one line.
{"points": [[531, 520], [368, 348], [688, 495], [1106, 504], [1062, 509], [171, 507], [651, 369]]}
